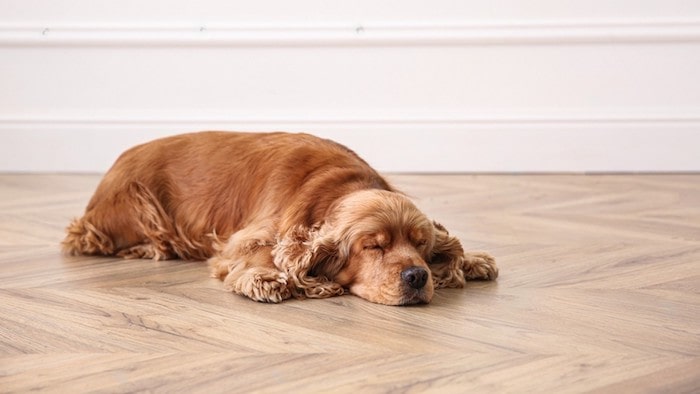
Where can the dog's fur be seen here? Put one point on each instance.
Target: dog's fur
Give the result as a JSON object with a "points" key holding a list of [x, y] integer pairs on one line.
{"points": [[277, 215]]}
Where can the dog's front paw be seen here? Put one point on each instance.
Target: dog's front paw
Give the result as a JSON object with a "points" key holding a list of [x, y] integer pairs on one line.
{"points": [[270, 289], [259, 284], [480, 265]]}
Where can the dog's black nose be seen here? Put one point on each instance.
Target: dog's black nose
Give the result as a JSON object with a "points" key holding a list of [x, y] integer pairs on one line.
{"points": [[415, 277]]}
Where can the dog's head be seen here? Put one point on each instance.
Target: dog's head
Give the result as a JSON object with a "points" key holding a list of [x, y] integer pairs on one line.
{"points": [[376, 244], [383, 243]]}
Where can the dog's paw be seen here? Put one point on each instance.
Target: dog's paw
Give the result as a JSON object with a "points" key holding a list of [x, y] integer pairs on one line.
{"points": [[270, 289], [145, 251], [260, 284], [480, 265]]}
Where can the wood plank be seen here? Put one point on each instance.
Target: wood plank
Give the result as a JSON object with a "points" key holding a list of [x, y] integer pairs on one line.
{"points": [[599, 290]]}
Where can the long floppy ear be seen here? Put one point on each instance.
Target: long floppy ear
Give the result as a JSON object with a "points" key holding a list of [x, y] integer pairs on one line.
{"points": [[446, 259], [451, 266], [310, 256]]}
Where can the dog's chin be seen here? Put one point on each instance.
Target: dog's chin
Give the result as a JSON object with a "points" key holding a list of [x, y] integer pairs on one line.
{"points": [[407, 297], [418, 297], [414, 301]]}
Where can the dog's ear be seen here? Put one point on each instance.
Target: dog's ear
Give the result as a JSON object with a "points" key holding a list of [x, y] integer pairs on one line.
{"points": [[310, 256], [446, 259]]}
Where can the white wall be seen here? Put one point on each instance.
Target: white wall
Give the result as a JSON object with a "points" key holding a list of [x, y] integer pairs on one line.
{"points": [[411, 85]]}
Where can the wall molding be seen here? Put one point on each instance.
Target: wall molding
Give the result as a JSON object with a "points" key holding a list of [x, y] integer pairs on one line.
{"points": [[542, 32]]}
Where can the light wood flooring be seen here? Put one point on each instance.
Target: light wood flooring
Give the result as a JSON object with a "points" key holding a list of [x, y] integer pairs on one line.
{"points": [[599, 290]]}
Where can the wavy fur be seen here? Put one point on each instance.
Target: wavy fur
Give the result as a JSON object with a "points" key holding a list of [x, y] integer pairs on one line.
{"points": [[277, 216]]}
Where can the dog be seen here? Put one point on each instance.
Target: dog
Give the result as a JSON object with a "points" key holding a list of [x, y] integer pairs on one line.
{"points": [[276, 215]]}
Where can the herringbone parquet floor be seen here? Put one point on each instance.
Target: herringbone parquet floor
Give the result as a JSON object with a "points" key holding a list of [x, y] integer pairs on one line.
{"points": [[599, 290]]}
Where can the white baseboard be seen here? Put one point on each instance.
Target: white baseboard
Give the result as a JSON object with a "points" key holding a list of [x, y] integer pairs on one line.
{"points": [[412, 145]]}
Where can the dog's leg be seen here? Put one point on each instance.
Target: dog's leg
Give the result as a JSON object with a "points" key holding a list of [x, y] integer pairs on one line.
{"points": [[128, 222], [246, 267]]}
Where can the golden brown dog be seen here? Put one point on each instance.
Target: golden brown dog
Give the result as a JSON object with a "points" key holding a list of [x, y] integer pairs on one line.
{"points": [[277, 215]]}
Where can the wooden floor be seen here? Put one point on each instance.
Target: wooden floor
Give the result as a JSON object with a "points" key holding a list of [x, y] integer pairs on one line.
{"points": [[599, 290]]}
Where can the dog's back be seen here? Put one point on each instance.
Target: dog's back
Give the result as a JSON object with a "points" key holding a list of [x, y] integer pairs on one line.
{"points": [[190, 186]]}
